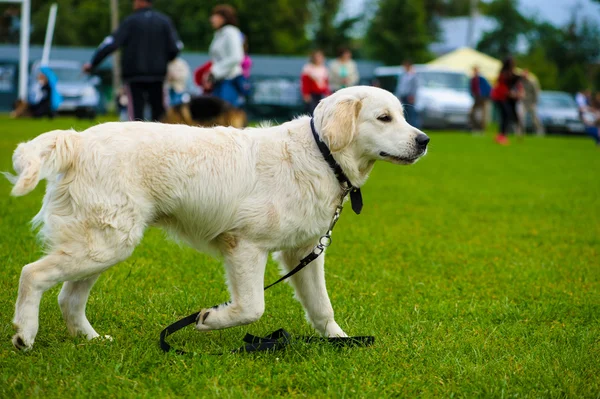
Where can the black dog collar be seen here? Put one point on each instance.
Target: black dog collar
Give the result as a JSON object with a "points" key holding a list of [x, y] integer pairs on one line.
{"points": [[355, 194]]}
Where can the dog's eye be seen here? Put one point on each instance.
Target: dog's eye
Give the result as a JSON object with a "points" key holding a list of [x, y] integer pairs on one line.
{"points": [[384, 118]]}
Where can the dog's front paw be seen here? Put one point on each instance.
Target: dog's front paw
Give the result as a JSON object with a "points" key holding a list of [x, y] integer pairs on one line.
{"points": [[201, 323], [333, 330], [101, 338], [21, 342]]}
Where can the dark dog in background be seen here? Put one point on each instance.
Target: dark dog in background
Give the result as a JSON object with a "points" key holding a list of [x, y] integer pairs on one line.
{"points": [[206, 111]]}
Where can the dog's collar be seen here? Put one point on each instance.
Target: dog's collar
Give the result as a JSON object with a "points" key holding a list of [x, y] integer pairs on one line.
{"points": [[355, 194]]}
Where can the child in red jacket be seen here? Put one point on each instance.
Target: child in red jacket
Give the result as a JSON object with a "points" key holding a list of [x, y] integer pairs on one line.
{"points": [[314, 81]]}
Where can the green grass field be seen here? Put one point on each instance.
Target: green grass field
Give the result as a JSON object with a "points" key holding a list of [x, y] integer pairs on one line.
{"points": [[477, 270]]}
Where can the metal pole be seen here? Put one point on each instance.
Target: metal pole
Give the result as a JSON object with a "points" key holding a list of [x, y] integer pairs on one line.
{"points": [[116, 65], [49, 34], [24, 56]]}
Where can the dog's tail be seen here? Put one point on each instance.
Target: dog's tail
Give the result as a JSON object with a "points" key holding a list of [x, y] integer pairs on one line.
{"points": [[44, 157]]}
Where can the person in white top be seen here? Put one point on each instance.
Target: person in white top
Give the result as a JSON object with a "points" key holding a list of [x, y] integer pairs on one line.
{"points": [[227, 53], [343, 71], [583, 99]]}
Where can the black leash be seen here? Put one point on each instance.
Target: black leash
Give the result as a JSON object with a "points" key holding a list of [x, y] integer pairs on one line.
{"points": [[280, 339]]}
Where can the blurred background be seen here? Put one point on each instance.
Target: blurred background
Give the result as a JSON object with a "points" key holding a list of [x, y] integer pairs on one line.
{"points": [[558, 41]]}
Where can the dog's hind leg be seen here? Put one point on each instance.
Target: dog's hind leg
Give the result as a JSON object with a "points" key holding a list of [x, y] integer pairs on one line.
{"points": [[56, 267], [245, 265], [311, 291], [72, 300]]}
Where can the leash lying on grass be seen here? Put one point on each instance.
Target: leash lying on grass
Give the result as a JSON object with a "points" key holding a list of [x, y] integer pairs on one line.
{"points": [[279, 339]]}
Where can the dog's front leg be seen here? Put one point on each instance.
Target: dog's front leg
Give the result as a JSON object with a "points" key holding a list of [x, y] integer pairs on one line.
{"points": [[245, 265], [311, 291]]}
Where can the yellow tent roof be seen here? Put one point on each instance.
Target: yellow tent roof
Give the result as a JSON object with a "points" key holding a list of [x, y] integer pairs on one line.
{"points": [[465, 58]]}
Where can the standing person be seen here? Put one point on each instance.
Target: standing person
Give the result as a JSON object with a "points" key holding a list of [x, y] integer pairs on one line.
{"points": [[589, 113], [480, 91], [343, 71], [531, 90], [407, 92], [247, 61], [226, 53], [243, 81], [583, 100], [506, 93], [314, 81], [149, 41]]}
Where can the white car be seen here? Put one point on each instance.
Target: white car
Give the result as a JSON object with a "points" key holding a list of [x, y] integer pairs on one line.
{"points": [[559, 113], [443, 99]]}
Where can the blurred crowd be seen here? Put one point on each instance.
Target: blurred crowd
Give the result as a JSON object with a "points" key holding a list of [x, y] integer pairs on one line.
{"points": [[155, 78]]}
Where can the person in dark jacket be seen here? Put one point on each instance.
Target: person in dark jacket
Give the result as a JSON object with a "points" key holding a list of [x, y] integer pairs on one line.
{"points": [[149, 42]]}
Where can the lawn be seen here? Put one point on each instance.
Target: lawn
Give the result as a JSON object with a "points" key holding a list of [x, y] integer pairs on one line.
{"points": [[477, 270]]}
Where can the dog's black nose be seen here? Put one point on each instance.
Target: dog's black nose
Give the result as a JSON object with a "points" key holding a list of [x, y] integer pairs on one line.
{"points": [[422, 140]]}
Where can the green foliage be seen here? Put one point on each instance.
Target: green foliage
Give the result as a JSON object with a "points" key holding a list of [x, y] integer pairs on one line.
{"points": [[503, 40], [273, 27], [572, 49], [476, 270], [545, 69], [398, 31], [78, 23], [436, 9], [573, 79], [331, 34]]}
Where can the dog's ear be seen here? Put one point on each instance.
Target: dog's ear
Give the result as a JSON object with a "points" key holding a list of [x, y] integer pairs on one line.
{"points": [[340, 125]]}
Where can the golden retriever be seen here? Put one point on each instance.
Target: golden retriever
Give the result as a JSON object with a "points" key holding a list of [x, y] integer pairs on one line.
{"points": [[239, 193]]}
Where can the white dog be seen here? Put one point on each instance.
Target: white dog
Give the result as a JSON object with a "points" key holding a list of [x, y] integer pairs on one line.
{"points": [[238, 193]]}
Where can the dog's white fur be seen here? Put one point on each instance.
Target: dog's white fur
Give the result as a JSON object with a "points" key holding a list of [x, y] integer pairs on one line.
{"points": [[238, 193]]}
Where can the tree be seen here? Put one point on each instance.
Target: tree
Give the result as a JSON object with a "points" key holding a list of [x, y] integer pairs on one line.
{"points": [[398, 31], [511, 25], [542, 66], [572, 49], [436, 9], [273, 27], [330, 33]]}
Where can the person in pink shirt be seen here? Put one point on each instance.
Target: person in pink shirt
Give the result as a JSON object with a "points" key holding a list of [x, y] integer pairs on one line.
{"points": [[242, 82], [247, 61]]}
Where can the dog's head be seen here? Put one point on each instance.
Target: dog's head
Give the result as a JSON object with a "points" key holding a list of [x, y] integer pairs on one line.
{"points": [[369, 123]]}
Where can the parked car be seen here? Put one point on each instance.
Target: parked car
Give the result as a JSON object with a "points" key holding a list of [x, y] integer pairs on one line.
{"points": [[79, 92], [559, 113], [443, 99]]}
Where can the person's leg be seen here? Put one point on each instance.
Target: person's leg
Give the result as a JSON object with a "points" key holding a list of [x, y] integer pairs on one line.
{"points": [[593, 132], [484, 116], [225, 89], [478, 115], [473, 114], [314, 101], [513, 117], [156, 98], [539, 127], [135, 101], [503, 112]]}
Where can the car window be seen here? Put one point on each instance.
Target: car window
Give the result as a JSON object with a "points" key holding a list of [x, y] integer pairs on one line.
{"points": [[556, 101], [68, 74], [444, 80]]}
